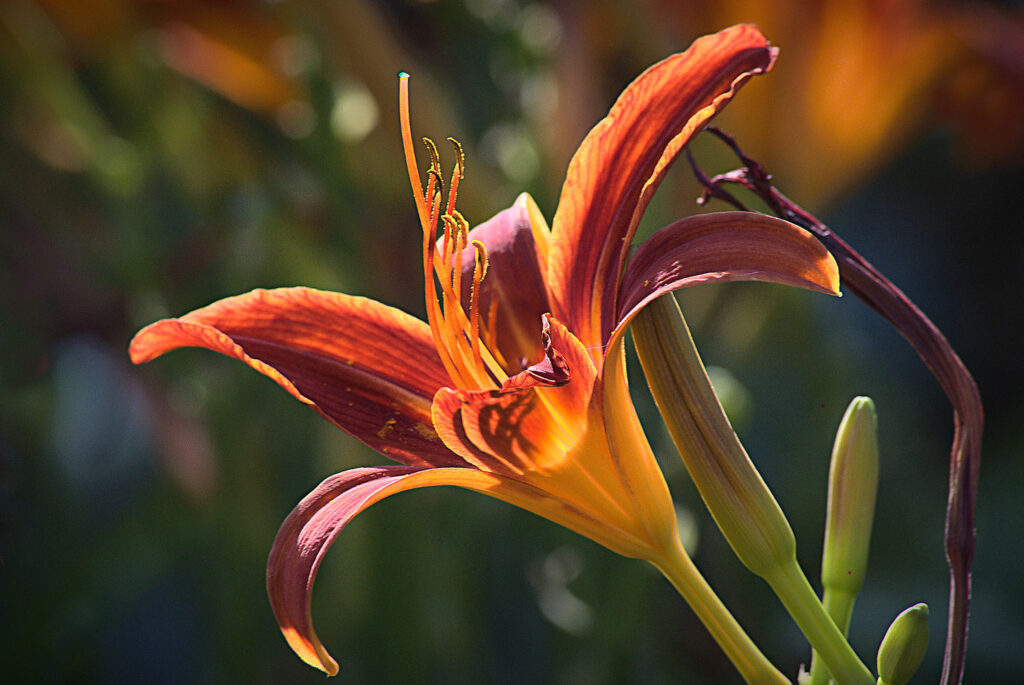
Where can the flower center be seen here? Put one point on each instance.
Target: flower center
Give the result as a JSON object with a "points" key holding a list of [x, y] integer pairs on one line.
{"points": [[470, 364]]}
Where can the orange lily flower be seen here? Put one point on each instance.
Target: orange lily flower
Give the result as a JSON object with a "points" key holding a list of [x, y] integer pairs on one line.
{"points": [[515, 387]]}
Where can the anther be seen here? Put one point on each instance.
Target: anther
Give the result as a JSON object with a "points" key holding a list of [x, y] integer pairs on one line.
{"points": [[457, 173], [452, 226], [462, 224], [453, 242], [480, 261], [460, 156], [435, 159]]}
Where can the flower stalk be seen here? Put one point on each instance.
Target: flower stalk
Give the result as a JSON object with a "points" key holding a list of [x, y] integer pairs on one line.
{"points": [[734, 492], [752, 665]]}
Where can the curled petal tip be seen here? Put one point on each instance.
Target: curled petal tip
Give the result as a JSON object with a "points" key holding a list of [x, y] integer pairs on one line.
{"points": [[313, 653], [553, 370]]}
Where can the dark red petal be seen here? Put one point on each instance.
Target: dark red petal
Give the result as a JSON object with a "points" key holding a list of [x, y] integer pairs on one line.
{"points": [[622, 160], [370, 369], [513, 287], [725, 246], [300, 546], [311, 528]]}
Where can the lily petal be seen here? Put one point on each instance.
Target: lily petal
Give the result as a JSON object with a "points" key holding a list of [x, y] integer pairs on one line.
{"points": [[370, 369], [724, 246], [621, 161], [513, 291], [635, 461], [319, 518]]}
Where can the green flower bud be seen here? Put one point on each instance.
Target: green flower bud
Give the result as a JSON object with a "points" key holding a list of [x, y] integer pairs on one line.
{"points": [[903, 646], [852, 484], [738, 499]]}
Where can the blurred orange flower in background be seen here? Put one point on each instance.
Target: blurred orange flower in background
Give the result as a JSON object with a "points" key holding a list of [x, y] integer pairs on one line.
{"points": [[859, 80]]}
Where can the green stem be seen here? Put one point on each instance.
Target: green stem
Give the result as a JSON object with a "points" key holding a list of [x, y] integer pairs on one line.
{"points": [[839, 605], [753, 666], [791, 586]]}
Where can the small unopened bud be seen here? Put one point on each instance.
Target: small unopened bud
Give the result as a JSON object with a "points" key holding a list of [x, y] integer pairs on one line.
{"points": [[852, 485], [903, 646]]}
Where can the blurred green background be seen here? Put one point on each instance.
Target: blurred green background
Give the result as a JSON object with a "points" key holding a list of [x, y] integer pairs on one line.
{"points": [[156, 155]]}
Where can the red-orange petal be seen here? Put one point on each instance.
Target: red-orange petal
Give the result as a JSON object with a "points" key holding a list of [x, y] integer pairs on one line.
{"points": [[319, 518], [370, 369], [301, 543], [724, 246], [619, 164]]}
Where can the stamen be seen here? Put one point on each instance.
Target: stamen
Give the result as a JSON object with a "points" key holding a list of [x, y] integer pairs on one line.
{"points": [[457, 174], [462, 222], [435, 182], [480, 262], [489, 334], [435, 196], [435, 205], [451, 246], [462, 237], [479, 272], [460, 156], [446, 248]]}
